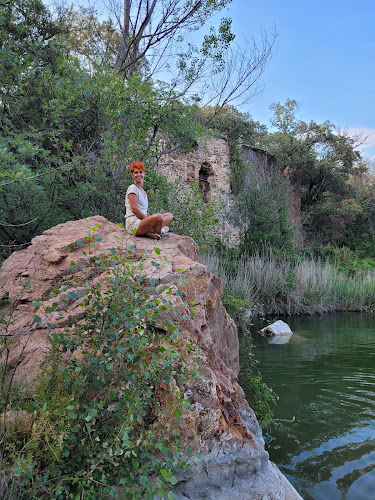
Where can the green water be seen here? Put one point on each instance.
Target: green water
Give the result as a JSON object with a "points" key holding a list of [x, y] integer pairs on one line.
{"points": [[325, 379]]}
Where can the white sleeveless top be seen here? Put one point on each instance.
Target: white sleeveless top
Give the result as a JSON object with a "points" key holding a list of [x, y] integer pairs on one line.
{"points": [[142, 201]]}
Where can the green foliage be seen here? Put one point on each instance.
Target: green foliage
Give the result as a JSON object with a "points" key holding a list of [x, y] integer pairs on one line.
{"points": [[324, 161], [237, 127], [215, 44], [194, 217], [96, 414], [259, 395], [66, 139], [363, 246], [298, 283], [284, 117], [263, 199], [262, 210], [323, 157], [46, 108], [94, 41]]}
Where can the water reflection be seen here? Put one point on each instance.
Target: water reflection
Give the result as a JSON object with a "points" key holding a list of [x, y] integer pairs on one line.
{"points": [[279, 339], [325, 378]]}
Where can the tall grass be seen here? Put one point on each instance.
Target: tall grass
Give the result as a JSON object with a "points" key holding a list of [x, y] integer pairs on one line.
{"points": [[276, 285]]}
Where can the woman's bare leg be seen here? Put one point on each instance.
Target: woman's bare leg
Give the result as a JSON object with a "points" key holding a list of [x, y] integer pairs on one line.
{"points": [[149, 223], [167, 218], [155, 222]]}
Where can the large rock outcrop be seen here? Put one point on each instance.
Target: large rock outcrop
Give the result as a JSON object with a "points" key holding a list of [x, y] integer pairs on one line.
{"points": [[219, 423]]}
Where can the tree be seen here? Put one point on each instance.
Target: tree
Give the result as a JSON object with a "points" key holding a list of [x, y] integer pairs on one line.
{"points": [[152, 39], [151, 25], [47, 109], [92, 40], [323, 158], [71, 120], [262, 209], [237, 127]]}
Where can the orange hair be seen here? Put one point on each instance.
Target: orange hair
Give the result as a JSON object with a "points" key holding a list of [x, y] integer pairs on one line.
{"points": [[137, 165]]}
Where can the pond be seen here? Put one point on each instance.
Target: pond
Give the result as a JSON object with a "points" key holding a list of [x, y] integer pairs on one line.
{"points": [[325, 379]]}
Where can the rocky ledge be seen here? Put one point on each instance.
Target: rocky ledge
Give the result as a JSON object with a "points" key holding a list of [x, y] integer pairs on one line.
{"points": [[219, 423]]}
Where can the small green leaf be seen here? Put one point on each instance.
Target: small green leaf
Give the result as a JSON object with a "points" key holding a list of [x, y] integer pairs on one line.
{"points": [[157, 250], [35, 303], [79, 243], [177, 413], [37, 319], [171, 495], [143, 480]]}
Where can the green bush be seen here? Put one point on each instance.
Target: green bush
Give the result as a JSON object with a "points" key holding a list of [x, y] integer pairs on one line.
{"points": [[193, 216], [96, 413], [262, 210], [259, 395]]}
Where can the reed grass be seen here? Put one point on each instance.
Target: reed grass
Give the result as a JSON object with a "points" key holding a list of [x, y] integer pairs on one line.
{"points": [[287, 286]]}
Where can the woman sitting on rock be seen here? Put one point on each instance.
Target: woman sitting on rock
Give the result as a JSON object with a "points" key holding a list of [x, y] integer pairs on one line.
{"points": [[136, 203]]}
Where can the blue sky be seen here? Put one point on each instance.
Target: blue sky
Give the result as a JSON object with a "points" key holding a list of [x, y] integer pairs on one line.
{"points": [[325, 59]]}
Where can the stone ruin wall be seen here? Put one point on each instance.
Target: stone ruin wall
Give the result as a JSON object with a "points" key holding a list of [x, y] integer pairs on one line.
{"points": [[262, 160], [259, 158], [207, 164]]}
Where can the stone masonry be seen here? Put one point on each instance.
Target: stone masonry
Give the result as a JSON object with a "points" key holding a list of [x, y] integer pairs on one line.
{"points": [[208, 165]]}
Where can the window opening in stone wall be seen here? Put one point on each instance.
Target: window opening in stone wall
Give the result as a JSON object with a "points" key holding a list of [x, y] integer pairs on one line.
{"points": [[204, 172]]}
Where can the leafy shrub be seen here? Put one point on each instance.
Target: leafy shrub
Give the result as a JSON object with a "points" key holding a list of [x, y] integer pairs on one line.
{"points": [[262, 210], [259, 395], [193, 216], [96, 412]]}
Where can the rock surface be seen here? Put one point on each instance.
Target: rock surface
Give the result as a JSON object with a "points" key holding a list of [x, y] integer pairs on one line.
{"points": [[219, 424]]}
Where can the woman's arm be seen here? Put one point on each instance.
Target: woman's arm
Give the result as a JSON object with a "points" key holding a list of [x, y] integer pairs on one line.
{"points": [[133, 200]]}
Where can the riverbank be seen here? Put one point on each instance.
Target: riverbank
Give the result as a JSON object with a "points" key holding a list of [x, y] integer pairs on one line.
{"points": [[274, 285]]}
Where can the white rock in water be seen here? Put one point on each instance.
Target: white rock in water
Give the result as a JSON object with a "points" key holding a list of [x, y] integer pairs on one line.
{"points": [[277, 328], [278, 339]]}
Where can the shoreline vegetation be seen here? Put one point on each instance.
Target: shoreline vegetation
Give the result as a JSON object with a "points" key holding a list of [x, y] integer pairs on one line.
{"points": [[267, 284]]}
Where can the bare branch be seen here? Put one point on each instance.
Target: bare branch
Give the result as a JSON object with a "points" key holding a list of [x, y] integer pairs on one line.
{"points": [[6, 224]]}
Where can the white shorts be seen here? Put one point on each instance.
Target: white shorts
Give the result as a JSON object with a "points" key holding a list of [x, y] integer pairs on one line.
{"points": [[132, 222]]}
